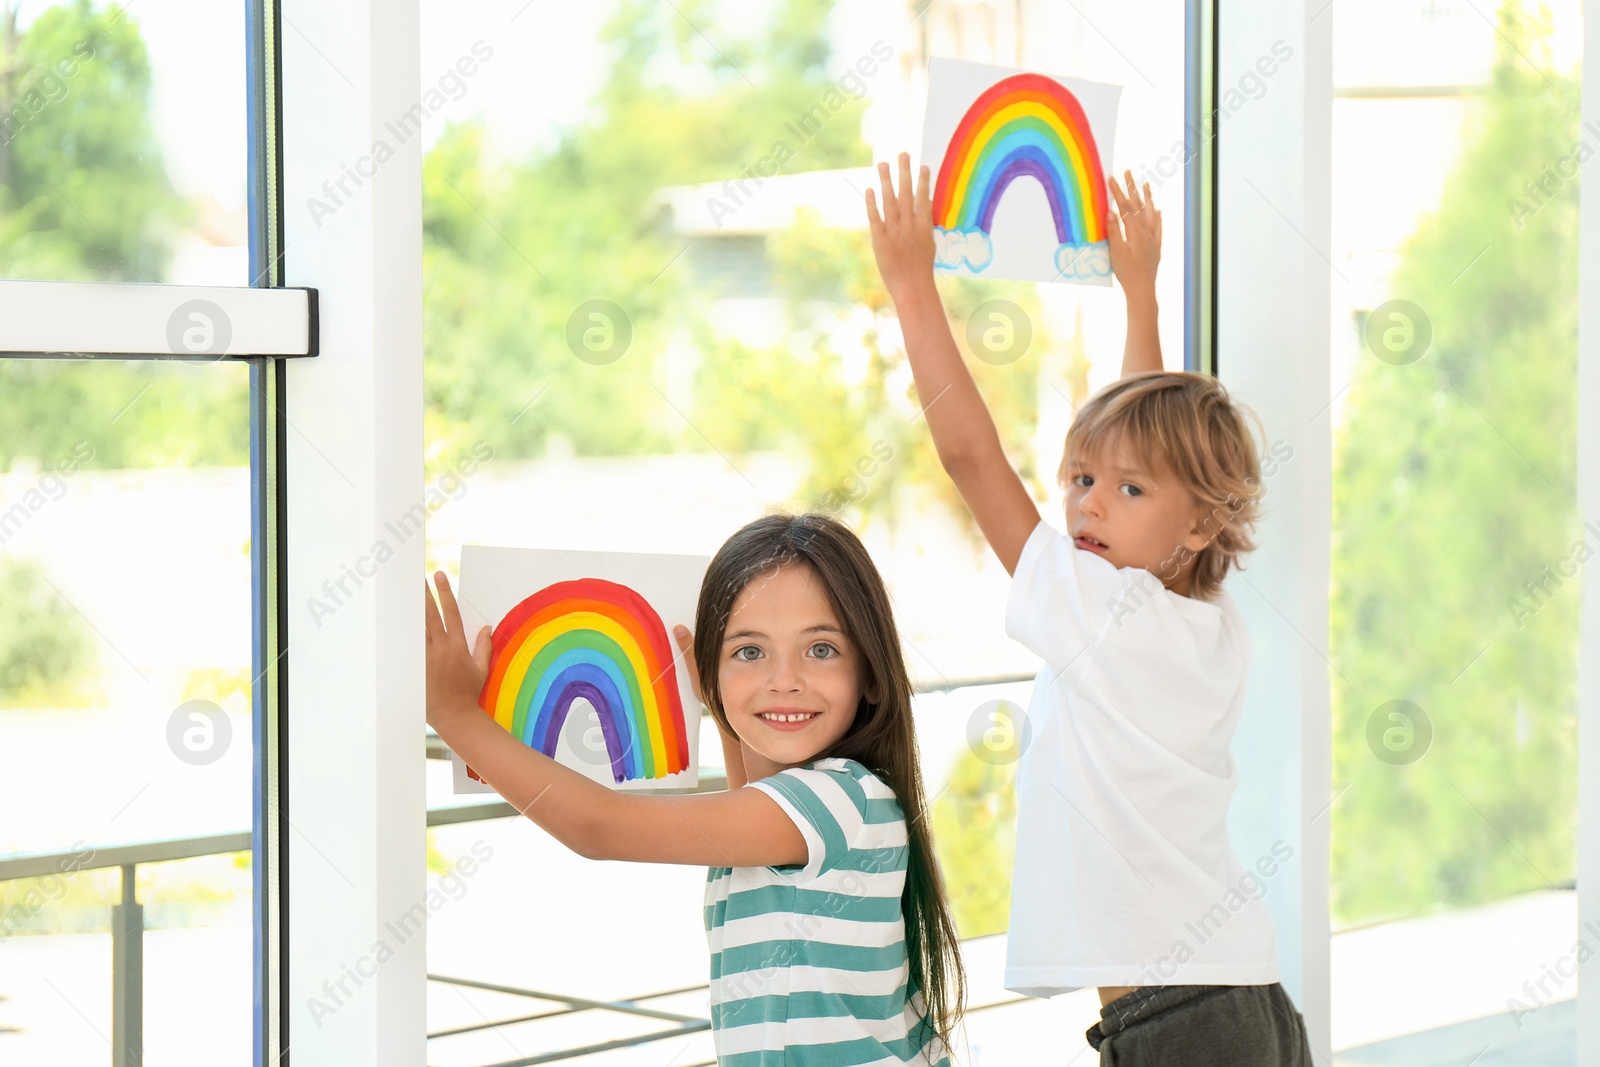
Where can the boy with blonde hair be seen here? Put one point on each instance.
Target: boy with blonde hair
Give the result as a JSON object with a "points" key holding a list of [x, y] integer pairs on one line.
{"points": [[1124, 876]]}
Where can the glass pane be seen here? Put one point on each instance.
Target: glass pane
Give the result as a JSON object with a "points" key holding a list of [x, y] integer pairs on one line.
{"points": [[1457, 543], [122, 142], [649, 292], [125, 682]]}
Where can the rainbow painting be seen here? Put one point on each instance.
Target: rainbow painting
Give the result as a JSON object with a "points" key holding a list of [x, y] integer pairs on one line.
{"points": [[997, 126], [591, 643], [598, 641]]}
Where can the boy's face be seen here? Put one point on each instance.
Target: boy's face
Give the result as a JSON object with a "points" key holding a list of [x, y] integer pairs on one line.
{"points": [[1141, 517], [784, 653]]}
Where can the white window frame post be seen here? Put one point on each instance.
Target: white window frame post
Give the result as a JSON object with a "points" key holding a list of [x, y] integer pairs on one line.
{"points": [[1273, 341], [357, 804], [1588, 876]]}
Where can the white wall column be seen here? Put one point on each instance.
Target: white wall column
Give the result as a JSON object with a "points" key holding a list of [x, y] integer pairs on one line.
{"points": [[1273, 225], [1589, 618], [353, 222]]}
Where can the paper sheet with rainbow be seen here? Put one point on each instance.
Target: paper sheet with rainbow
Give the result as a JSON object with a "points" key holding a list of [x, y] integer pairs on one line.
{"points": [[601, 642], [1024, 125]]}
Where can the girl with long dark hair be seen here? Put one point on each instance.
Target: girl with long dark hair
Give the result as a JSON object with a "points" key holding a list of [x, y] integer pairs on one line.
{"points": [[830, 934]]}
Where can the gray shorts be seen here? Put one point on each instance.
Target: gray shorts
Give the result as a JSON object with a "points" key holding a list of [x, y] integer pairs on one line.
{"points": [[1202, 1026]]}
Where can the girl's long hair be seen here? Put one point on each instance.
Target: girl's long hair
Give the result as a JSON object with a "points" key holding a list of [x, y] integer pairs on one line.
{"points": [[883, 737]]}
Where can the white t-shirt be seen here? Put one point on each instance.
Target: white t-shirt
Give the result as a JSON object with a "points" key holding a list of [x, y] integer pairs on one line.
{"points": [[1124, 874]]}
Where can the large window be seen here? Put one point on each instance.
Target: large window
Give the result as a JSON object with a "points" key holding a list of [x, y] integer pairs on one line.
{"points": [[650, 315], [125, 688], [127, 497], [1457, 544], [650, 301]]}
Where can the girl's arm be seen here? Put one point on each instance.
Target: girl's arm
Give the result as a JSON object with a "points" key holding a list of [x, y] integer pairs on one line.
{"points": [[1134, 234], [964, 433], [740, 828]]}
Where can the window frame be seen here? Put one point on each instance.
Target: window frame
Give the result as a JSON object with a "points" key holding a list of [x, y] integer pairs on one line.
{"points": [[1270, 292], [268, 324]]}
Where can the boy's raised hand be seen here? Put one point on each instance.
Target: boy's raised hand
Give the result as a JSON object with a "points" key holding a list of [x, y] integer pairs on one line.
{"points": [[1133, 230], [1134, 233], [902, 236]]}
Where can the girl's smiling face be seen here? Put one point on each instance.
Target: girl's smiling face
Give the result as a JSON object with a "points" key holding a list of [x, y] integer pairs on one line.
{"points": [[1118, 508], [789, 678]]}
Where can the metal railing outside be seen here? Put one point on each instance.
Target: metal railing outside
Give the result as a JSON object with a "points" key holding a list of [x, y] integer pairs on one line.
{"points": [[127, 920]]}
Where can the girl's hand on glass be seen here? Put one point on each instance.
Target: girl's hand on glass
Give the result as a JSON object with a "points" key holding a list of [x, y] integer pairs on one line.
{"points": [[455, 673]]}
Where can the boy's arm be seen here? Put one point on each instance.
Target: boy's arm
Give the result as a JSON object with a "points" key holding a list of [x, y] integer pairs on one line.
{"points": [[1133, 231], [964, 433]]}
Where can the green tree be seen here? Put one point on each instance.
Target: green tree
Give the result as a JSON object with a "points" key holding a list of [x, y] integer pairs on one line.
{"points": [[1454, 484], [83, 192], [514, 250], [47, 655], [860, 433], [975, 836], [84, 195]]}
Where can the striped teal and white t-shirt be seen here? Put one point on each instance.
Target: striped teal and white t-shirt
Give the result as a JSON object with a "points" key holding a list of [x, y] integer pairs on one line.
{"points": [[808, 961]]}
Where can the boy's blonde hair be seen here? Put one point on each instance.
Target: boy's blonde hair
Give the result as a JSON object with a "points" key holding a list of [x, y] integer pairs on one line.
{"points": [[1182, 426]]}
